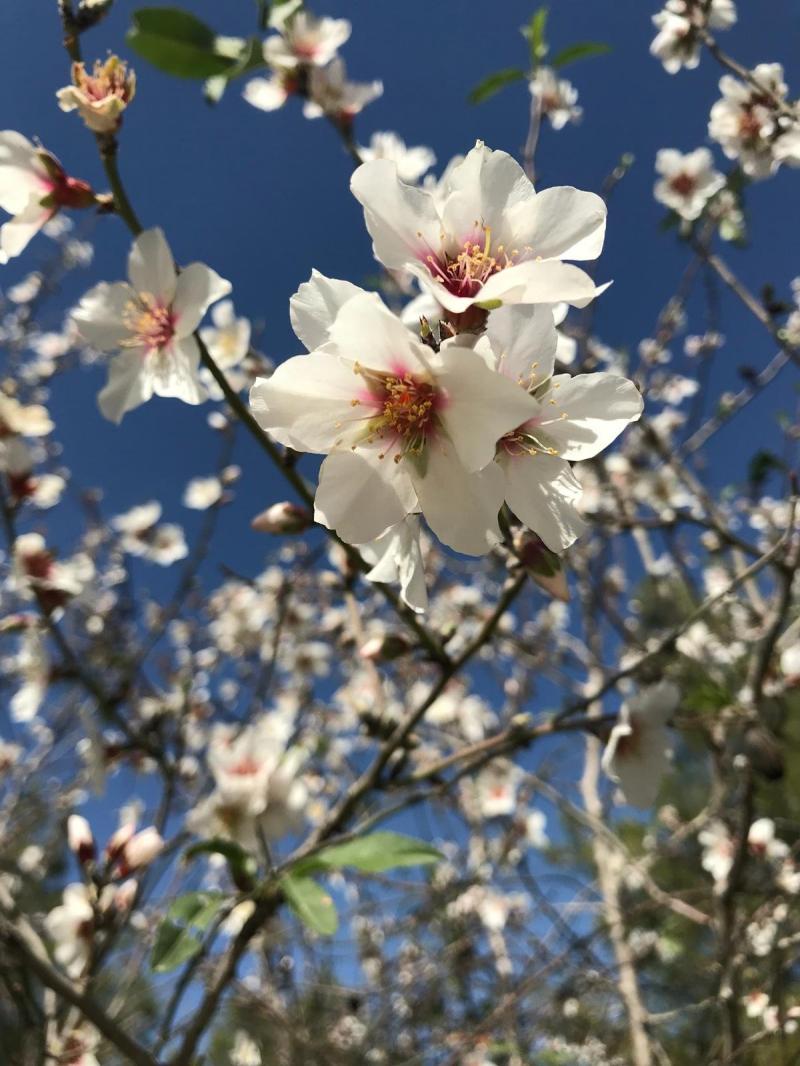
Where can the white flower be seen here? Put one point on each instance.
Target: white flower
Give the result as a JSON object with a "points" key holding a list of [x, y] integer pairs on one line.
{"points": [[33, 188], [396, 556], [487, 238], [150, 321], [305, 39], [718, 852], [202, 493], [270, 94], [677, 43], [411, 162], [258, 783], [228, 340], [27, 421], [536, 829], [687, 181], [790, 661], [70, 926], [496, 788], [638, 749], [575, 418], [556, 97], [405, 428], [745, 120], [330, 92], [33, 664]]}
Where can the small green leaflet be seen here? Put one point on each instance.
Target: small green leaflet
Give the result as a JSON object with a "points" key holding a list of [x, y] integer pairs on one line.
{"points": [[493, 83], [373, 854], [175, 941], [534, 33], [580, 50], [241, 865], [178, 43], [311, 903]]}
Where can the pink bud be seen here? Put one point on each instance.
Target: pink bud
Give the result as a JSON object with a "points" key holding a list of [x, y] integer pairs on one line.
{"points": [[126, 894], [282, 518], [141, 850], [80, 839], [118, 840]]}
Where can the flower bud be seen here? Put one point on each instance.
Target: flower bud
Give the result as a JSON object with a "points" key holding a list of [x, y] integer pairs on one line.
{"points": [[118, 840], [282, 518], [141, 850], [80, 839], [99, 97], [543, 565]]}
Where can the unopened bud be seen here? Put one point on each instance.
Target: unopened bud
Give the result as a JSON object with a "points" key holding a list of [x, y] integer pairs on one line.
{"points": [[141, 850], [125, 895], [118, 841], [384, 649], [283, 518], [80, 839], [543, 565]]}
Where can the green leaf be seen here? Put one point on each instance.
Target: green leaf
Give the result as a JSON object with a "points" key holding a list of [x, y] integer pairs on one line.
{"points": [[534, 33], [493, 83], [180, 44], [251, 57], [373, 854], [174, 945], [581, 50], [196, 908], [242, 866], [311, 903]]}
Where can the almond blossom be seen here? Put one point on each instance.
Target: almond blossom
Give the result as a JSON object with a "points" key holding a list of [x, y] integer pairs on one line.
{"points": [[71, 926], [575, 418], [638, 749], [487, 237], [679, 24], [411, 162], [556, 97], [33, 188], [687, 182], [405, 428], [748, 125], [150, 321], [396, 556], [330, 92], [303, 38], [99, 97]]}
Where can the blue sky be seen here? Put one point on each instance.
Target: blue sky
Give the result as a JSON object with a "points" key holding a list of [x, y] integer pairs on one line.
{"points": [[263, 198]]}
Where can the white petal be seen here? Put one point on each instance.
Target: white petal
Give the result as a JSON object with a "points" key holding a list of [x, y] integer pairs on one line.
{"points": [[360, 496], [267, 94], [99, 315], [174, 371], [307, 404], [401, 219], [490, 188], [523, 339], [366, 331], [127, 385], [545, 281], [16, 234], [542, 492], [461, 508], [197, 287], [564, 223], [316, 304], [481, 407], [21, 172], [585, 413], [151, 268], [398, 557]]}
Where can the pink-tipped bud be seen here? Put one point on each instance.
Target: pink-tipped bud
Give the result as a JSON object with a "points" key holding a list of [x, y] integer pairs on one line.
{"points": [[118, 841], [125, 895], [80, 839], [140, 850], [283, 518], [544, 566], [384, 649]]}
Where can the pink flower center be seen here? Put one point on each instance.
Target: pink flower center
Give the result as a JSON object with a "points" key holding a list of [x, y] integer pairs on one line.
{"points": [[406, 410], [151, 322], [246, 767], [683, 184], [465, 273]]}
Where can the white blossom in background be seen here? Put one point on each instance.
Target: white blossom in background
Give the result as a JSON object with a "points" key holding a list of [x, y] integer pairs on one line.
{"points": [[228, 338], [70, 925], [202, 493], [566, 346], [638, 750], [32, 664], [748, 125], [33, 188], [142, 535], [396, 556], [718, 852], [303, 38], [495, 788], [556, 97], [575, 418], [687, 181], [487, 237], [411, 163], [677, 43], [150, 322], [404, 428], [258, 783], [330, 92]]}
